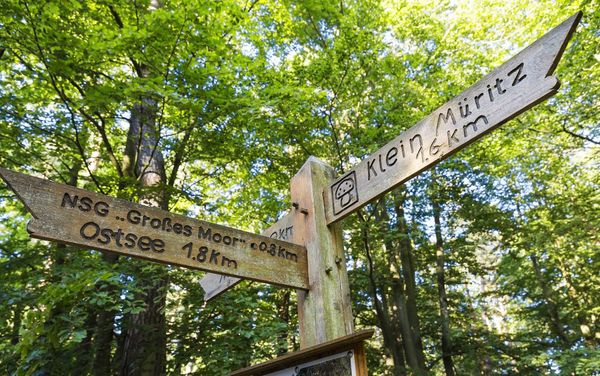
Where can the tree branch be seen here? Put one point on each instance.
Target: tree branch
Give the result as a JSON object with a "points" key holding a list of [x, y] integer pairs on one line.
{"points": [[179, 154], [573, 134], [136, 66]]}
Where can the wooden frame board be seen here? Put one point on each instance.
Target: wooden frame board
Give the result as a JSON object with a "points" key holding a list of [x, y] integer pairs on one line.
{"points": [[307, 357]]}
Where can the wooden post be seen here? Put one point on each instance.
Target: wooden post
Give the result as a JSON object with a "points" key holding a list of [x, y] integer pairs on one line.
{"points": [[360, 357], [325, 311]]}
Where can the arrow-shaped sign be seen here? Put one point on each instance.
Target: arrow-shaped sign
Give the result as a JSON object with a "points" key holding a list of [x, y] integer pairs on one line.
{"points": [[74, 216], [515, 86], [216, 284]]}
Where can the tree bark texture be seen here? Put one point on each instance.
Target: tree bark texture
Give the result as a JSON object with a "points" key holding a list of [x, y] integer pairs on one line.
{"points": [[143, 346], [407, 302], [441, 282]]}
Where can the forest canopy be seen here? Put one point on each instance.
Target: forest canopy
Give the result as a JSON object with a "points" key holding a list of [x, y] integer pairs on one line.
{"points": [[487, 264]]}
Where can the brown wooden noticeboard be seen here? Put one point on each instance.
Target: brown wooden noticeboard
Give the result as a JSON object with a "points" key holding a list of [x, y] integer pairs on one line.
{"points": [[296, 360], [517, 85], [74, 216]]}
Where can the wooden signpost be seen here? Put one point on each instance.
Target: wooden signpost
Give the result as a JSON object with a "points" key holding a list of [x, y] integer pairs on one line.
{"points": [[325, 310], [215, 284], [74, 216], [515, 86], [311, 258]]}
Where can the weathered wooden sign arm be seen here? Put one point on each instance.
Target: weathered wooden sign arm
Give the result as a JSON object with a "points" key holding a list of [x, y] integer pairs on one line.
{"points": [[75, 216], [216, 284], [515, 86]]}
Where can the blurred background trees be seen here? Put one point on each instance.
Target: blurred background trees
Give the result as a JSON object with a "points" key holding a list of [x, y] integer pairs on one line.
{"points": [[487, 264]]}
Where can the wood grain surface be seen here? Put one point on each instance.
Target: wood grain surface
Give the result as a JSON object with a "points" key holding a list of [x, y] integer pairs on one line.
{"points": [[216, 284], [325, 311], [78, 217], [517, 85]]}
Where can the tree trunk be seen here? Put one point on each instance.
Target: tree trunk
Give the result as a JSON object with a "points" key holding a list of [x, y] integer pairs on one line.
{"points": [[441, 282], [143, 342], [396, 311], [411, 350], [391, 338], [395, 344], [283, 310], [414, 343]]}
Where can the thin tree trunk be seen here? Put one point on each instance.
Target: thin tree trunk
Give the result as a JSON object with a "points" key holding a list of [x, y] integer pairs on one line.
{"points": [[405, 326], [283, 310], [391, 338], [410, 348], [415, 344], [399, 327], [396, 343], [441, 282], [551, 307]]}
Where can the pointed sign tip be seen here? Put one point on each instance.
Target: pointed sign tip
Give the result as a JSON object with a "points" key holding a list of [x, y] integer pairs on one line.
{"points": [[577, 16], [572, 22], [3, 172], [564, 31], [11, 178]]}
